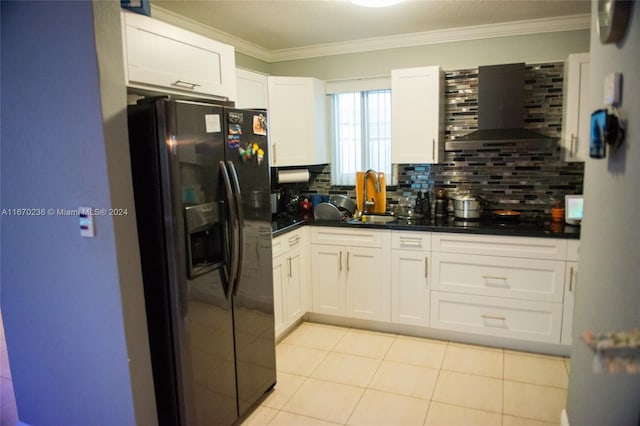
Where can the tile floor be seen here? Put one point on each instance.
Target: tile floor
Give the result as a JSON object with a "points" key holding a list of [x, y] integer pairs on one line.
{"points": [[332, 375]]}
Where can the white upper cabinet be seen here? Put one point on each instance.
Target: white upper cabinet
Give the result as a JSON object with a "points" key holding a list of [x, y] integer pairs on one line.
{"points": [[164, 58], [252, 89], [297, 119], [417, 115], [577, 114]]}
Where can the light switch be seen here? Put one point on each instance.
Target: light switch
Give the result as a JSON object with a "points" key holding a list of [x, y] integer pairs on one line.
{"points": [[612, 88], [87, 229]]}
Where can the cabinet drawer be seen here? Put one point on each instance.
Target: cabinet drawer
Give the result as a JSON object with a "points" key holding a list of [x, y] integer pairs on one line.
{"points": [[347, 236], [411, 240], [527, 247], [283, 243], [529, 279], [573, 250], [511, 318]]}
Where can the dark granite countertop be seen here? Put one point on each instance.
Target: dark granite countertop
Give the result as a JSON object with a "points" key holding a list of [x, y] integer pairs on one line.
{"points": [[522, 227]]}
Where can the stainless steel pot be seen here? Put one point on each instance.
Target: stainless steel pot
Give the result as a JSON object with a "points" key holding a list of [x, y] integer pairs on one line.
{"points": [[467, 206], [328, 211], [344, 202]]}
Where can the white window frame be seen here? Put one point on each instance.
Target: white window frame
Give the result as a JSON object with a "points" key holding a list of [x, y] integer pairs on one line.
{"points": [[351, 86]]}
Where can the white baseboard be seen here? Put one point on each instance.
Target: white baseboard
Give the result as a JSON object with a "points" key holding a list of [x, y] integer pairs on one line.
{"points": [[564, 419]]}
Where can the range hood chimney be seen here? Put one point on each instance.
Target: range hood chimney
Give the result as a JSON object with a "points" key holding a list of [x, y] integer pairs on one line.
{"points": [[500, 112]]}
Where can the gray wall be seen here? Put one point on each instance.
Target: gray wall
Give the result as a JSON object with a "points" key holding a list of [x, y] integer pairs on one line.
{"points": [[608, 292], [533, 48], [73, 308]]}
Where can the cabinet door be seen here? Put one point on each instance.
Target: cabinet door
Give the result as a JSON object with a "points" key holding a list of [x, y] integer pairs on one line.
{"points": [[252, 89], [517, 278], [297, 121], [293, 293], [417, 105], [327, 279], [577, 113], [364, 283], [160, 55], [279, 278], [410, 287], [571, 280], [496, 316]]}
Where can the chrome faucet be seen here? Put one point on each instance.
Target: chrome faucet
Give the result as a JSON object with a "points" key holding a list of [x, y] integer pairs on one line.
{"points": [[365, 202]]}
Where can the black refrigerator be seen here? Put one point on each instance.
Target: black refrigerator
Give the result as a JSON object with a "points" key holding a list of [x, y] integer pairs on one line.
{"points": [[201, 186]]}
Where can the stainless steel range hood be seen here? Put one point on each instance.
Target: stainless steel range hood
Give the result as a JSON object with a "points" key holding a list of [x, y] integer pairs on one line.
{"points": [[500, 112]]}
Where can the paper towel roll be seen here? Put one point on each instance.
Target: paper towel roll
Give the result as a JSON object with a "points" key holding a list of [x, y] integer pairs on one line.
{"points": [[291, 176]]}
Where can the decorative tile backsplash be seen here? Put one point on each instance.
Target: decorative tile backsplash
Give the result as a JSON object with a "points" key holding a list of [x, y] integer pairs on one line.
{"points": [[524, 180]]}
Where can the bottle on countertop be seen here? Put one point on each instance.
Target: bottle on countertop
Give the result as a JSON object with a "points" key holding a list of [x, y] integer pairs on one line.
{"points": [[418, 208]]}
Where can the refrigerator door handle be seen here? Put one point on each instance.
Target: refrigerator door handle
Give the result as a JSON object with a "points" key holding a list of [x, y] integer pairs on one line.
{"points": [[232, 267], [240, 217]]}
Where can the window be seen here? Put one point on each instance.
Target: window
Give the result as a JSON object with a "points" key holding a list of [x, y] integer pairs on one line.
{"points": [[361, 124]]}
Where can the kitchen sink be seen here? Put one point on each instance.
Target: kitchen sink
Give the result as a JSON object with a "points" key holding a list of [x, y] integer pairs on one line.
{"points": [[375, 218]]}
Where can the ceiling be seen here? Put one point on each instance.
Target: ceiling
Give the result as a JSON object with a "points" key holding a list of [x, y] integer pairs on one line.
{"points": [[282, 25]]}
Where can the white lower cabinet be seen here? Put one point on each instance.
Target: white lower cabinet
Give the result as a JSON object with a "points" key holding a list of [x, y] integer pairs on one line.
{"points": [[290, 281], [506, 287], [410, 277], [501, 286], [496, 316], [570, 287], [350, 280], [527, 279]]}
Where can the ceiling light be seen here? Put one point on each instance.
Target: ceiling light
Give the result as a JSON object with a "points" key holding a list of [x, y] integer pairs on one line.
{"points": [[376, 3]]}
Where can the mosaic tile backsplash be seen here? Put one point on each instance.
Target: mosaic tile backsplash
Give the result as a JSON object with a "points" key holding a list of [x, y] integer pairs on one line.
{"points": [[524, 180]]}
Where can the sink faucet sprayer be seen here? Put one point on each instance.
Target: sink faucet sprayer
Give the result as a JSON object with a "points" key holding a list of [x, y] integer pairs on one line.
{"points": [[366, 203]]}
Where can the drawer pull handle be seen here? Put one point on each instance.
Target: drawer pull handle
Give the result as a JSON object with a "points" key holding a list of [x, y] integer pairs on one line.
{"points": [[348, 266], [493, 317], [290, 271], [491, 280], [340, 261], [185, 84], [294, 240], [571, 279], [426, 266], [494, 277], [411, 243]]}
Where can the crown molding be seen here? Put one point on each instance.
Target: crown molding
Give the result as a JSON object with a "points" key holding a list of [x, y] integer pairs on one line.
{"points": [[240, 45], [505, 29]]}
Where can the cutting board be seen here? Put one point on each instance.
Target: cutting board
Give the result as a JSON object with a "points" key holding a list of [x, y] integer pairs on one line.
{"points": [[379, 198]]}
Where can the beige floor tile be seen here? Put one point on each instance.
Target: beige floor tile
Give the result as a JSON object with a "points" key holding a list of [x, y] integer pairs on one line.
{"points": [[287, 384], [316, 336], [405, 379], [465, 390], [519, 421], [421, 352], [567, 364], [450, 415], [365, 343], [535, 369], [320, 399], [284, 418], [534, 402], [381, 408], [261, 416], [298, 359], [347, 369], [473, 360]]}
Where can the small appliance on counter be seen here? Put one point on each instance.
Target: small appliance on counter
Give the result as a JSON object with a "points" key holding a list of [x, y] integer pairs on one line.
{"points": [[573, 209], [441, 203]]}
